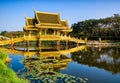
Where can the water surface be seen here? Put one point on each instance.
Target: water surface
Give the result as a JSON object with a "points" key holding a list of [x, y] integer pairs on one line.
{"points": [[91, 65]]}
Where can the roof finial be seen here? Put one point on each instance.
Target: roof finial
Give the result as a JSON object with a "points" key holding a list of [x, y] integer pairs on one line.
{"points": [[33, 9], [25, 17]]}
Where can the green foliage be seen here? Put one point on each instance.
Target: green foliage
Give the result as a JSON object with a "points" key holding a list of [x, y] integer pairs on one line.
{"points": [[94, 28], [6, 74], [4, 33], [3, 56], [12, 34]]}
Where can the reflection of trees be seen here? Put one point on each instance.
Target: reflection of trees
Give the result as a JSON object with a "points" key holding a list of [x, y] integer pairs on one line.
{"points": [[45, 69], [107, 58]]}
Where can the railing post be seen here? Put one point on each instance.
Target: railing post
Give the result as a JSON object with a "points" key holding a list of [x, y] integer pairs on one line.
{"points": [[77, 44], [69, 36], [54, 32], [85, 40], [58, 45], [24, 36], [45, 32], [29, 36], [80, 38], [39, 33], [99, 40], [66, 44], [12, 44], [38, 43], [27, 44], [65, 35]]}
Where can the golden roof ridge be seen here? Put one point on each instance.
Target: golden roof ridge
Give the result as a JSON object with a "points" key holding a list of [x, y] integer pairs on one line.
{"points": [[46, 12]]}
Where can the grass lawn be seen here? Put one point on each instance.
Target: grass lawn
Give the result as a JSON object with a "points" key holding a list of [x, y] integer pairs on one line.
{"points": [[7, 75]]}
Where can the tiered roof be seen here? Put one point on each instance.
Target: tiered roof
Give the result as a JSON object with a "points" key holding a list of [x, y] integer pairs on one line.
{"points": [[64, 23], [30, 21], [46, 20]]}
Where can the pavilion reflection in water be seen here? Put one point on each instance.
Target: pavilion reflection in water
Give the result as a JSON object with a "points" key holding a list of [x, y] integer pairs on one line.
{"points": [[46, 66]]}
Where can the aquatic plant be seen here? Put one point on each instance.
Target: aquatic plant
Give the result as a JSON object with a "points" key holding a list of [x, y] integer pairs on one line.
{"points": [[46, 70]]}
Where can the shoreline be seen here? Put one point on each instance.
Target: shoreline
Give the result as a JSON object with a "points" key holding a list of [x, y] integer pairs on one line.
{"points": [[102, 43]]}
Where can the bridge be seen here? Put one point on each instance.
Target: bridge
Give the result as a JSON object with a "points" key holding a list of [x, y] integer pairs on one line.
{"points": [[42, 38], [43, 54]]}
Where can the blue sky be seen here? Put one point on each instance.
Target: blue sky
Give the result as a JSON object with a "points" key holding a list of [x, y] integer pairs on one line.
{"points": [[13, 12]]}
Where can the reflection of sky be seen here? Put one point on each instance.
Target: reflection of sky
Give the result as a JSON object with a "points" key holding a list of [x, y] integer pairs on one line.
{"points": [[12, 12], [118, 60], [15, 63], [108, 59], [94, 74]]}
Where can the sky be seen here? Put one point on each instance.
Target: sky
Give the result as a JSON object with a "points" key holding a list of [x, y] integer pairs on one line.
{"points": [[13, 12]]}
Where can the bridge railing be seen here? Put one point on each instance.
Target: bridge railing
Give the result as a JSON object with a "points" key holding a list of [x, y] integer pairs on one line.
{"points": [[44, 37]]}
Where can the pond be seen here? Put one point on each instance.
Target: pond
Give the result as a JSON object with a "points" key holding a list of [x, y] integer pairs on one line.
{"points": [[83, 64]]}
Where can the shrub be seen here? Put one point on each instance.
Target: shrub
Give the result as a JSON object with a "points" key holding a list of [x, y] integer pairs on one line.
{"points": [[3, 55]]}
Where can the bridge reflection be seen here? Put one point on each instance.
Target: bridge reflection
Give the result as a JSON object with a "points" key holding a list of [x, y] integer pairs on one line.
{"points": [[42, 53], [102, 57], [45, 66]]}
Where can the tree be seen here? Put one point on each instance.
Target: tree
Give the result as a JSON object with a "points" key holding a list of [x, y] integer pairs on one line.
{"points": [[94, 28], [4, 33]]}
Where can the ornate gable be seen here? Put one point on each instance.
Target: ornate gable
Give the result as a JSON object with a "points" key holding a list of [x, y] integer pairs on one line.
{"points": [[45, 18]]}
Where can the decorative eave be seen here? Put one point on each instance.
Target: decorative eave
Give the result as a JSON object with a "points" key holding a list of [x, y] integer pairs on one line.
{"points": [[67, 30], [50, 27], [29, 28], [64, 23], [30, 21]]}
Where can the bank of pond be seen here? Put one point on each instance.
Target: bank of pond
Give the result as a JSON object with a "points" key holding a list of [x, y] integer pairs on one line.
{"points": [[7, 75]]}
